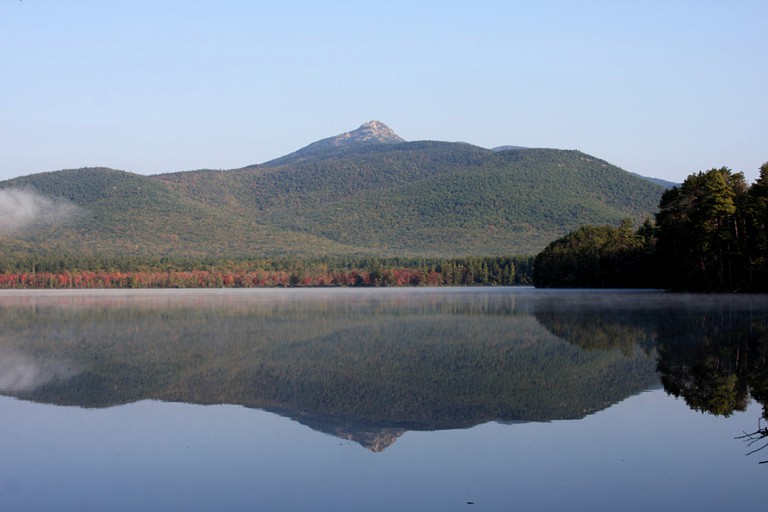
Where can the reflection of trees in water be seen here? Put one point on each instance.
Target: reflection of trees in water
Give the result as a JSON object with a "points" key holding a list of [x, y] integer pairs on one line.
{"points": [[712, 351], [380, 364], [591, 328], [367, 366], [715, 360]]}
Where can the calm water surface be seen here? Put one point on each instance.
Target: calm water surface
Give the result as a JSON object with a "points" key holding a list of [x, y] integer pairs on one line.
{"points": [[417, 399]]}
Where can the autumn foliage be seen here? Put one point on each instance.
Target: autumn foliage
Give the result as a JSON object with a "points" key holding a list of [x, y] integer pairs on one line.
{"points": [[479, 271]]}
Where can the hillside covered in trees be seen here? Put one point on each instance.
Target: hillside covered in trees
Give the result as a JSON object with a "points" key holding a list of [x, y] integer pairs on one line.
{"points": [[363, 194], [710, 234]]}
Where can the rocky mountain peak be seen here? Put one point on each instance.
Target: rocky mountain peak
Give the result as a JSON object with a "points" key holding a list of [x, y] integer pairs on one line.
{"points": [[372, 131]]}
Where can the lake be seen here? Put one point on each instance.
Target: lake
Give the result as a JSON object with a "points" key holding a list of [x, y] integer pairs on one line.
{"points": [[421, 399]]}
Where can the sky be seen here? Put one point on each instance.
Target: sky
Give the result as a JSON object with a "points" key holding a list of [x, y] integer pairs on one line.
{"points": [[660, 88]]}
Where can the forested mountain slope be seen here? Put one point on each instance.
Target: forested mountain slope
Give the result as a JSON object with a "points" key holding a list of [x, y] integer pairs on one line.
{"points": [[374, 196]]}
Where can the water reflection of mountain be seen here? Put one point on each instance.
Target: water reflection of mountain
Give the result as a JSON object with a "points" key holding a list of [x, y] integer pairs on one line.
{"points": [[368, 366], [361, 365]]}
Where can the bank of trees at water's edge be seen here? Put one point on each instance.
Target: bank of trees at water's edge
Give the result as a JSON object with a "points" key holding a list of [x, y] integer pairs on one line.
{"points": [[710, 234], [139, 273]]}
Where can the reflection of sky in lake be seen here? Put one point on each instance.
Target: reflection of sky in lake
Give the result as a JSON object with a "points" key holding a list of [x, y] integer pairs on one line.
{"points": [[650, 452]]}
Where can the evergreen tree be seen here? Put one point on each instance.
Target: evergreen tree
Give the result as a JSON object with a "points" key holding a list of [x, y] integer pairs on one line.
{"points": [[698, 231], [757, 231]]}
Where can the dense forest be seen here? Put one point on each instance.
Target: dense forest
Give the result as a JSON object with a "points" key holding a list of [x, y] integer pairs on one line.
{"points": [[379, 211], [710, 235], [411, 199], [364, 208], [135, 272]]}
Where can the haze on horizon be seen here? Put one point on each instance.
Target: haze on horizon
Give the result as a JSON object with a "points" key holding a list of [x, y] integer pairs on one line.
{"points": [[662, 89]]}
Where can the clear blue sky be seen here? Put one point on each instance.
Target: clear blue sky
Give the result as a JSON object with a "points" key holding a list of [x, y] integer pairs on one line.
{"points": [[662, 88]]}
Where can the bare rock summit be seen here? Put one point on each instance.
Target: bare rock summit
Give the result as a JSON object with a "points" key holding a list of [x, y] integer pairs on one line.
{"points": [[370, 132]]}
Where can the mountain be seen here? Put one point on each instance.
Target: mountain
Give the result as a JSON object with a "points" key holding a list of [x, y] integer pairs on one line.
{"points": [[370, 133], [664, 183], [364, 192]]}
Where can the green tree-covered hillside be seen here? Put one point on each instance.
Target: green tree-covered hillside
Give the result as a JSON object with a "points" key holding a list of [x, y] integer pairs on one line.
{"points": [[425, 199]]}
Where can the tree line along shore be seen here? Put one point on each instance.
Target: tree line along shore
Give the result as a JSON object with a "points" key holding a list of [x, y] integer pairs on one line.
{"points": [[57, 273]]}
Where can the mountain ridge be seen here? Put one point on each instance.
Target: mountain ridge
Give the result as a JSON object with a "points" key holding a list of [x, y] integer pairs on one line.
{"points": [[365, 192]]}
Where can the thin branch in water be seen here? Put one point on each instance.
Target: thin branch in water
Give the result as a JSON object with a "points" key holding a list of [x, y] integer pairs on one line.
{"points": [[753, 437]]}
